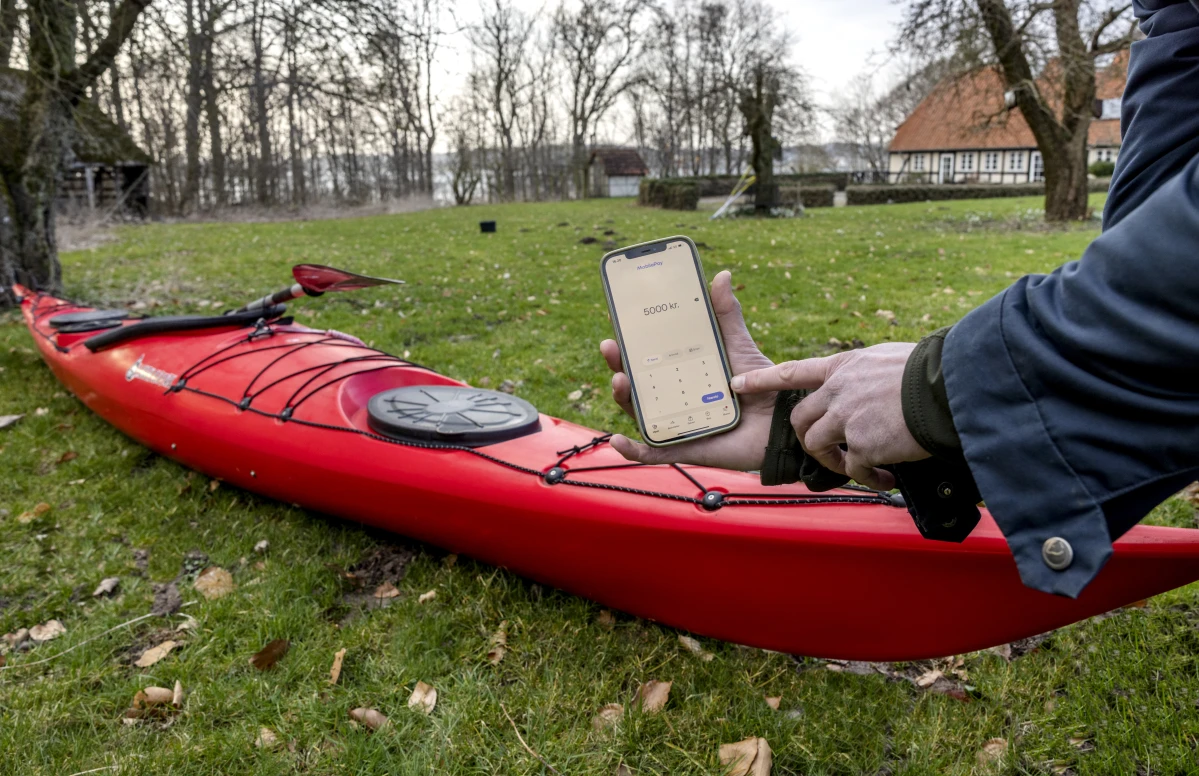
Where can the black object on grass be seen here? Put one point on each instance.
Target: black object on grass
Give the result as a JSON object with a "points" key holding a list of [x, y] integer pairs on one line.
{"points": [[486, 226]]}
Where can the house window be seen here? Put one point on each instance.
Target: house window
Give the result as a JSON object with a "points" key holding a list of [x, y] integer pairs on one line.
{"points": [[1015, 161], [991, 161], [1110, 109], [967, 162], [1105, 155], [918, 162]]}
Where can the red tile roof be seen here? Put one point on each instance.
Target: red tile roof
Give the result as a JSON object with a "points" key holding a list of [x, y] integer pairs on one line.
{"points": [[620, 161], [967, 112]]}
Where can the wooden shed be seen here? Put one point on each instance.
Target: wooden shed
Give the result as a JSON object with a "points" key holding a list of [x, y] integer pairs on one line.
{"points": [[104, 172], [616, 172]]}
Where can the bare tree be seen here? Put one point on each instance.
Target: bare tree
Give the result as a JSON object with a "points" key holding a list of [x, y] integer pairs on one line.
{"points": [[867, 120], [500, 40], [598, 39], [1046, 53], [30, 163]]}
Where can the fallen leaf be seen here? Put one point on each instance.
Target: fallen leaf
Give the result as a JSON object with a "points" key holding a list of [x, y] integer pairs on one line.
{"points": [[213, 485], [16, 637], [695, 648], [1082, 743], [9, 420], [214, 582], [187, 624], [33, 514], [107, 586], [450, 560], [653, 695], [623, 770], [750, 757], [499, 644], [68, 456], [1003, 650], [372, 718], [51, 629], [260, 548], [424, 697], [177, 694], [154, 696], [607, 717], [427, 597], [154, 654], [606, 619], [266, 739], [574, 395], [992, 751], [885, 314], [270, 654], [386, 590], [41, 412], [928, 678], [773, 702], [335, 671]]}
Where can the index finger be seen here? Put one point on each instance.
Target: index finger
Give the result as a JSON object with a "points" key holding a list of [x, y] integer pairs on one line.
{"points": [[789, 375]]}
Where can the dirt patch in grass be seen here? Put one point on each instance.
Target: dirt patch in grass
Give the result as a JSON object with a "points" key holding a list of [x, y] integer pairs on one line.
{"points": [[385, 563]]}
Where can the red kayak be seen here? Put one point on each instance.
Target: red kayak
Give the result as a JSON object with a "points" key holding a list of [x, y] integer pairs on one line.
{"points": [[319, 419]]}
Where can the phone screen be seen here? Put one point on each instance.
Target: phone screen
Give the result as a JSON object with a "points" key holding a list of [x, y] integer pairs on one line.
{"points": [[670, 341]]}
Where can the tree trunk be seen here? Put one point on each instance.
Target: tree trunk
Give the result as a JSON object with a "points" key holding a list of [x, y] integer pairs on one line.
{"points": [[191, 124], [9, 17], [1066, 180], [258, 91], [757, 106], [212, 109], [1061, 140]]}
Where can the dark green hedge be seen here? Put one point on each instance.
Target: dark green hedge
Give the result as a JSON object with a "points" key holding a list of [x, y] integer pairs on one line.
{"points": [[808, 196], [669, 193], [722, 185], [1102, 169], [882, 195]]}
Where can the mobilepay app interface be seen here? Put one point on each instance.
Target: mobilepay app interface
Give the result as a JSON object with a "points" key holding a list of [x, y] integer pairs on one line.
{"points": [[670, 342]]}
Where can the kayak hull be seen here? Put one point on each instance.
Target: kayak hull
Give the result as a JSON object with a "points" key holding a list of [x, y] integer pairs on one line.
{"points": [[837, 579]]}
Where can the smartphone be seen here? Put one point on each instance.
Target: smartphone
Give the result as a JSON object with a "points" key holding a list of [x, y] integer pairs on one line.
{"points": [[669, 341]]}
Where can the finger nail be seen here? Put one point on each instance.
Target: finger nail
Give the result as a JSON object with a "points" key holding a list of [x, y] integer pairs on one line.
{"points": [[737, 383]]}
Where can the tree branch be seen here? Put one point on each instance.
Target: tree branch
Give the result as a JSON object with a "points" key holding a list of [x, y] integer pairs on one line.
{"points": [[119, 28], [1108, 19]]}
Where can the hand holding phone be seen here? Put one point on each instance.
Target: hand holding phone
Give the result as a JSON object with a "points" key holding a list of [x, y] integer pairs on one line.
{"points": [[742, 448]]}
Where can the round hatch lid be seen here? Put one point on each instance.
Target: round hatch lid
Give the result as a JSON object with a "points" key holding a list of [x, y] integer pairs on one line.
{"points": [[91, 316], [451, 414]]}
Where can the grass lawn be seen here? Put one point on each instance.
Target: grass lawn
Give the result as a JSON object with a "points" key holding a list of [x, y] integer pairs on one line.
{"points": [[1111, 695]]}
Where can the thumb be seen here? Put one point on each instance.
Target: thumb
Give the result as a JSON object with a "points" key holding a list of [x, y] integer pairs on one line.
{"points": [[789, 375]]}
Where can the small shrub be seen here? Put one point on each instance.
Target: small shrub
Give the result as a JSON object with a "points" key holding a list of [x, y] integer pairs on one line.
{"points": [[1102, 169]]}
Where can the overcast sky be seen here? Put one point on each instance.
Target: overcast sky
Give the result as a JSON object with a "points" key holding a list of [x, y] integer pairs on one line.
{"points": [[836, 39]]}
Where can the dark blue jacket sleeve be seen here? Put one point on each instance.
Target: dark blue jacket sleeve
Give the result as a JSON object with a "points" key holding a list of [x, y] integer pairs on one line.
{"points": [[1076, 394]]}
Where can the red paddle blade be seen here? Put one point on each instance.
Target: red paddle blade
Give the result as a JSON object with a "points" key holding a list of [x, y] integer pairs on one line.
{"points": [[319, 278]]}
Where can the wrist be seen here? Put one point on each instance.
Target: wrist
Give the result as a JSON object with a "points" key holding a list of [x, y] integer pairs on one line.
{"points": [[925, 402]]}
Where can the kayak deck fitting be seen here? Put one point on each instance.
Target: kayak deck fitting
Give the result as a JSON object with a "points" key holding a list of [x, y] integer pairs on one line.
{"points": [[319, 419]]}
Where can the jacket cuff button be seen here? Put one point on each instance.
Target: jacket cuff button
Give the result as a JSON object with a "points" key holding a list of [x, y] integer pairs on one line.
{"points": [[1057, 553]]}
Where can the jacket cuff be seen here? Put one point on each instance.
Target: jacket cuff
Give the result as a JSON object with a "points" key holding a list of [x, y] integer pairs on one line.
{"points": [[925, 404], [786, 461], [1035, 497]]}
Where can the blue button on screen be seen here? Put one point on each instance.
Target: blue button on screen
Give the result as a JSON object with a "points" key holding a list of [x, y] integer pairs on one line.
{"points": [[711, 397]]}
